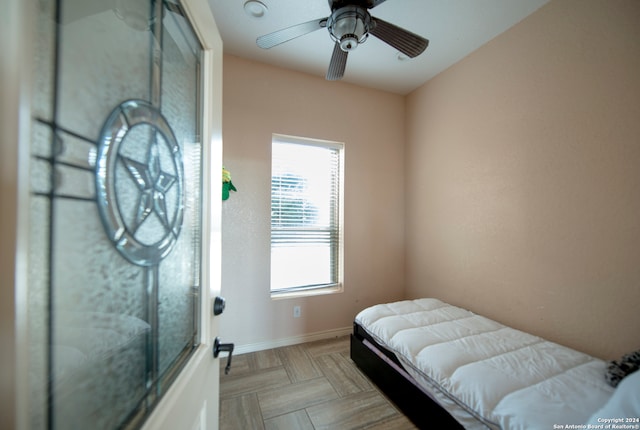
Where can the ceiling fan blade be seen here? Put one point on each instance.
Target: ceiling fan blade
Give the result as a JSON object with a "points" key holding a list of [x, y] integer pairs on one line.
{"points": [[403, 40], [280, 36], [338, 64], [373, 3]]}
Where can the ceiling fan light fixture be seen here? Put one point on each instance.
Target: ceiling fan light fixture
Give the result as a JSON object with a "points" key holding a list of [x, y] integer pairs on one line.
{"points": [[348, 43], [255, 8], [349, 26]]}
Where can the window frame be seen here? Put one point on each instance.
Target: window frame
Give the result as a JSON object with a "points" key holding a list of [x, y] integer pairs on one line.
{"points": [[338, 285]]}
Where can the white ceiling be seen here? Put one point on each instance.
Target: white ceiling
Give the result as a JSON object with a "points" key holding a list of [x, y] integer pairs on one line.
{"points": [[454, 28]]}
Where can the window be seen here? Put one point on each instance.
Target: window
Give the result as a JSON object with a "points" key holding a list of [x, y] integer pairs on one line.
{"points": [[306, 215]]}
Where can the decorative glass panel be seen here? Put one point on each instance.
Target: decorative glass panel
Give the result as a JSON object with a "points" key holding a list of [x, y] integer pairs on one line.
{"points": [[115, 210]]}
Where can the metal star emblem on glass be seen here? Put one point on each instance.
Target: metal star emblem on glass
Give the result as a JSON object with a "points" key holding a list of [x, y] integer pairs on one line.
{"points": [[153, 183]]}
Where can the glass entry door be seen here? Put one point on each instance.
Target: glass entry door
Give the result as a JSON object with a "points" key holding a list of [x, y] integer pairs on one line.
{"points": [[116, 195]]}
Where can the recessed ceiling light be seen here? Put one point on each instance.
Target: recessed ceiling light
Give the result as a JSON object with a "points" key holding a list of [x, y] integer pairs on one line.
{"points": [[255, 9]]}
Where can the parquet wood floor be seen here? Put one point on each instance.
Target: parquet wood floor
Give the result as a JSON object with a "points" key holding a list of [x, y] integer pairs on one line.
{"points": [[303, 387]]}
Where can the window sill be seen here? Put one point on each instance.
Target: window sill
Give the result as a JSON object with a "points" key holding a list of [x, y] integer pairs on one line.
{"points": [[307, 293]]}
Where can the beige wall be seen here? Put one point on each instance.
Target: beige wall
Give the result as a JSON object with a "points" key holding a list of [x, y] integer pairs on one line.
{"points": [[260, 100], [523, 178]]}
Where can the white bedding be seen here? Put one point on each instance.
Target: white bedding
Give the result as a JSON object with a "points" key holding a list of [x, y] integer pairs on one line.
{"points": [[500, 377]]}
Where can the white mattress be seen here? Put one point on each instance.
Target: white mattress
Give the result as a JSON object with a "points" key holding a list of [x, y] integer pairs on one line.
{"points": [[485, 374]]}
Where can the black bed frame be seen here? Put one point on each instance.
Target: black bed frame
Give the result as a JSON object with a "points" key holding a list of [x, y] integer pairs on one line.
{"points": [[383, 368]]}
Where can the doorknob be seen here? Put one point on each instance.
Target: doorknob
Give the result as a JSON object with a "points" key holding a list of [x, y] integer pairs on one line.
{"points": [[218, 305], [223, 347]]}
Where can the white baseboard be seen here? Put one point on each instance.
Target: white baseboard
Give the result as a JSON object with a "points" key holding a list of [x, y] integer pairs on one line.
{"points": [[277, 343]]}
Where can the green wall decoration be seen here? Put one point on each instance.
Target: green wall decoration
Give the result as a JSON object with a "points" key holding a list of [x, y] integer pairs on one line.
{"points": [[227, 185]]}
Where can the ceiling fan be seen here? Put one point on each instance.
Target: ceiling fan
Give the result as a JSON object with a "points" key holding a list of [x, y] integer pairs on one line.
{"points": [[349, 25]]}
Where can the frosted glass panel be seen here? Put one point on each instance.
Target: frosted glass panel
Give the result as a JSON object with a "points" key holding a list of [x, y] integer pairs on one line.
{"points": [[116, 210]]}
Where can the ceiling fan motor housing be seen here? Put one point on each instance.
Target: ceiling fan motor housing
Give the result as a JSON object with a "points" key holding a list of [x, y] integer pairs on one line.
{"points": [[349, 26]]}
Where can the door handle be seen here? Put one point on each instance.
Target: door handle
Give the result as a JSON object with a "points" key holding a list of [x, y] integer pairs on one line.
{"points": [[223, 347]]}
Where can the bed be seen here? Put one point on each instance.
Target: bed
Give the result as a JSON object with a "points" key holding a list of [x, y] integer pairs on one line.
{"points": [[446, 367]]}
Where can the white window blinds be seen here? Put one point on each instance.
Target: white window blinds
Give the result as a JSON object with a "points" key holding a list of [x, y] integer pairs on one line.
{"points": [[306, 188]]}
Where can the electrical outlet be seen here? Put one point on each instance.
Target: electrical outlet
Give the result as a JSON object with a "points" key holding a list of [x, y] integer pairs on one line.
{"points": [[296, 311]]}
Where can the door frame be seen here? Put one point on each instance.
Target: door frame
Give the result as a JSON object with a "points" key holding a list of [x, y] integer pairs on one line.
{"points": [[17, 24]]}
